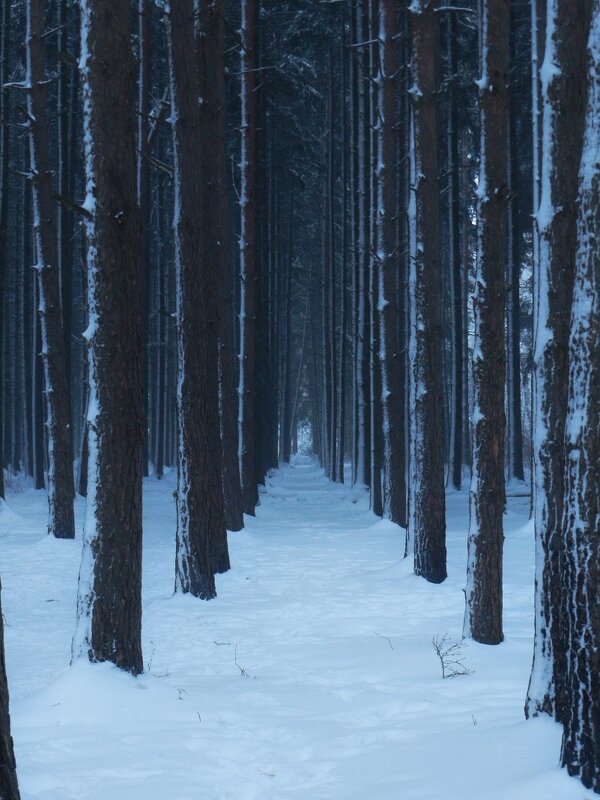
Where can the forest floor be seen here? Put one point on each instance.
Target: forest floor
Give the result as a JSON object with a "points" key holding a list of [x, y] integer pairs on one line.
{"points": [[312, 676]]}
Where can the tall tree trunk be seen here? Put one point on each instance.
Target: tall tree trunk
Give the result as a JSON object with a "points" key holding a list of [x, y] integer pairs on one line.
{"points": [[456, 266], [483, 613], [376, 462], [363, 470], [161, 328], [4, 162], [581, 718], [215, 205], [514, 423], [564, 102], [246, 390], [387, 247], [37, 383], [61, 522], [109, 607], [143, 192], [427, 503], [64, 147], [201, 530], [9, 789]]}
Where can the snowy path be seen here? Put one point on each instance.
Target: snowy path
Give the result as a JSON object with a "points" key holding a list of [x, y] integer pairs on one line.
{"points": [[336, 693]]}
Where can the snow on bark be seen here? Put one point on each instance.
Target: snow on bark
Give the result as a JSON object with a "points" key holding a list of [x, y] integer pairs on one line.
{"points": [[427, 513], [109, 597], [389, 344], [362, 258], [247, 257], [483, 612], [201, 533], [563, 108], [581, 740], [61, 521]]}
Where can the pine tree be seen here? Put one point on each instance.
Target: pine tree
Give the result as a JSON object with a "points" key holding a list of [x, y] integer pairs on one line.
{"points": [[201, 531], [217, 230], [483, 613], [61, 522], [581, 719], [427, 503], [387, 253], [246, 390], [109, 608], [563, 112], [9, 789]]}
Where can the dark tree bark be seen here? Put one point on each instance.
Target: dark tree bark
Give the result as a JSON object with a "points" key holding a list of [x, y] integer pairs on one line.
{"points": [[201, 531], [109, 602], [427, 504], [387, 254], [514, 423], [376, 438], [217, 228], [581, 717], [328, 284], [363, 448], [564, 99], [4, 156], [483, 614], [37, 422], [9, 789], [345, 255], [61, 522], [246, 415], [143, 189], [457, 411], [64, 148]]}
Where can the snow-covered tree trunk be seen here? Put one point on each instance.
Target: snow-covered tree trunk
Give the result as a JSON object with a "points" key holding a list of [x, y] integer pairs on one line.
{"points": [[9, 788], [563, 98], [61, 521], [387, 253], [581, 517], [143, 189], [362, 311], [455, 461], [215, 205], [376, 423], [330, 221], [427, 503], [4, 162], [343, 326], [201, 533], [514, 423], [64, 147], [483, 613], [246, 413], [109, 607]]}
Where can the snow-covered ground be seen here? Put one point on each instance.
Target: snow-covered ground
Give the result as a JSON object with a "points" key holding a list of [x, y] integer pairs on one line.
{"points": [[312, 676]]}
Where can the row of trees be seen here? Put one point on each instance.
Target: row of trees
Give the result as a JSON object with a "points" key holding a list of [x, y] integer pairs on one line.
{"points": [[376, 192]]}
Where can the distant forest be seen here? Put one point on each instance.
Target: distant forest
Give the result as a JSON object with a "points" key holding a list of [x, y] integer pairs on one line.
{"points": [[232, 231]]}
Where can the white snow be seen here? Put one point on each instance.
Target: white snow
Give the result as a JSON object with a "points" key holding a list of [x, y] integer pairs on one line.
{"points": [[341, 695]]}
